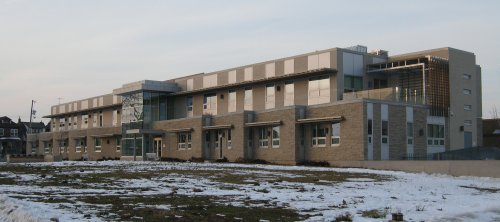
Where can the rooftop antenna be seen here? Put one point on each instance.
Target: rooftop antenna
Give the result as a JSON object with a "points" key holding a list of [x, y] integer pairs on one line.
{"points": [[59, 99]]}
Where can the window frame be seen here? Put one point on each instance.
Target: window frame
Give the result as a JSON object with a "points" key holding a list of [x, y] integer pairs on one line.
{"points": [[97, 144], [315, 138], [335, 135], [275, 139]]}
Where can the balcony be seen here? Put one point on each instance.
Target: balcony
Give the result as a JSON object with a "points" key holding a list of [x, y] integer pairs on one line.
{"points": [[393, 94]]}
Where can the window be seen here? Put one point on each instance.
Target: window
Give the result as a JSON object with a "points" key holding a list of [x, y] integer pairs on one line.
{"points": [[319, 90], [62, 123], [115, 117], [118, 144], [184, 141], [468, 122], [270, 96], [210, 104], [248, 99], [14, 132], [435, 135], [229, 139], [370, 130], [1, 132], [335, 134], [409, 133], [101, 122], [63, 146], [78, 145], [232, 101], [47, 147], [318, 136], [218, 134], [250, 138], [467, 107], [189, 106], [467, 76], [467, 91], [289, 94], [97, 144], [34, 146], [354, 83], [276, 137], [385, 131], [85, 120], [263, 138]]}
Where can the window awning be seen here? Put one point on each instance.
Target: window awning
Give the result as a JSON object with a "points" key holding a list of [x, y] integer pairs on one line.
{"points": [[321, 119], [216, 127], [10, 138], [145, 131], [78, 137], [180, 130], [106, 135], [265, 123]]}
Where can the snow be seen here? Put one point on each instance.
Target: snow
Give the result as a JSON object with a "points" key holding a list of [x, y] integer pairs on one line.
{"points": [[418, 196]]}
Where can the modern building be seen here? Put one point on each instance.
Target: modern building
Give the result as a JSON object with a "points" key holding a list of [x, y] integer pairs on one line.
{"points": [[328, 105]]}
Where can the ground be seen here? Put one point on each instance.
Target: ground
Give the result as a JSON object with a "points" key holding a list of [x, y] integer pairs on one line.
{"points": [[154, 191]]}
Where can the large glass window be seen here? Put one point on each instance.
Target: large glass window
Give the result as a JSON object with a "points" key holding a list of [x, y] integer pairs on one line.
{"points": [[248, 99], [210, 104], [353, 83], [319, 90], [263, 138], [435, 134], [79, 143], [63, 145], [335, 134], [1, 131], [318, 135], [370, 130], [409, 133], [289, 94], [270, 96], [385, 131], [231, 101], [276, 136], [47, 146], [189, 106]]}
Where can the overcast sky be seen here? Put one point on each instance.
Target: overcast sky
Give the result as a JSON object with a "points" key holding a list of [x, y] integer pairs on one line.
{"points": [[77, 49]]}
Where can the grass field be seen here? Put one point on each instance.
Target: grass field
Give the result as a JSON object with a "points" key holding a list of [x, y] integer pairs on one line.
{"points": [[155, 191]]}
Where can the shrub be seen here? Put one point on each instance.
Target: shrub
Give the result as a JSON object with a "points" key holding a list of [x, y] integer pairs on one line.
{"points": [[197, 159], [252, 161], [314, 163], [223, 160], [170, 159], [344, 217], [374, 213]]}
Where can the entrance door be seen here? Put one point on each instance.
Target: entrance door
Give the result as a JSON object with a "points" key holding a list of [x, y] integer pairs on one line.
{"points": [[157, 146], [467, 139]]}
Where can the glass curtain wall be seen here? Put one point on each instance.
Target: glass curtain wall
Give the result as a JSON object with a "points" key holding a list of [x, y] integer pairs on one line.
{"points": [[139, 111]]}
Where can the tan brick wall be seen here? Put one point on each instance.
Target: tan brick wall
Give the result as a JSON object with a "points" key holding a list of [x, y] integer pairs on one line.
{"points": [[397, 132], [351, 133], [170, 139]]}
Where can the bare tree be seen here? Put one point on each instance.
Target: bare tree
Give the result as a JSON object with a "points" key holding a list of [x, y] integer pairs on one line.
{"points": [[494, 112]]}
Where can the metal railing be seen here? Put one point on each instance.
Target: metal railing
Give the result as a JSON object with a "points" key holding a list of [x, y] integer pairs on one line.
{"points": [[393, 94]]}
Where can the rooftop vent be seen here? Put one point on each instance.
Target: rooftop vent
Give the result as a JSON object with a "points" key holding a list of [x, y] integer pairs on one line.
{"points": [[380, 52]]}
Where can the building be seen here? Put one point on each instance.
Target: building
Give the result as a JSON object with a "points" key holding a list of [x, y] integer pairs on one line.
{"points": [[13, 135], [328, 105], [10, 142], [491, 132]]}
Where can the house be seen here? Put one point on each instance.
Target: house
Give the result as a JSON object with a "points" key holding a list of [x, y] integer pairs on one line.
{"points": [[329, 105], [10, 140]]}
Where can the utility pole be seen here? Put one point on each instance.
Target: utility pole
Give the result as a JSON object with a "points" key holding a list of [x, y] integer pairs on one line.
{"points": [[31, 115]]}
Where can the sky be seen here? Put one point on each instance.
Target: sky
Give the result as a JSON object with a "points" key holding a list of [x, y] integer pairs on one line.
{"points": [[59, 51]]}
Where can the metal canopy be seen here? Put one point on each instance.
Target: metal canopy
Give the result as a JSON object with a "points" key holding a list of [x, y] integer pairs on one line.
{"points": [[230, 126], [321, 119], [267, 123]]}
